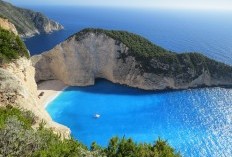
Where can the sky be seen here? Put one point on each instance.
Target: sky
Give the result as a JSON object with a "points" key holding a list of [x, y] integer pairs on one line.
{"points": [[169, 4]]}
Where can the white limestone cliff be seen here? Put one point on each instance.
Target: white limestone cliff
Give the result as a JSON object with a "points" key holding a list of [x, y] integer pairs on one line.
{"points": [[18, 89], [80, 62]]}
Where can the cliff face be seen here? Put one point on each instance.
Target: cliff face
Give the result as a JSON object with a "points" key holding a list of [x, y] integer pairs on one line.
{"points": [[5, 24], [91, 54], [17, 83], [27, 22], [18, 88]]}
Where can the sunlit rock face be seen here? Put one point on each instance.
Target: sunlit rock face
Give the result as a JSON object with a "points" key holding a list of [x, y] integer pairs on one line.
{"points": [[78, 61], [18, 89], [5, 24]]}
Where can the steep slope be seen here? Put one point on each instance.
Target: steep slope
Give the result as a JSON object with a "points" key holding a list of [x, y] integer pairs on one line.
{"points": [[28, 22], [17, 84], [18, 89], [5, 24], [11, 46], [129, 59]]}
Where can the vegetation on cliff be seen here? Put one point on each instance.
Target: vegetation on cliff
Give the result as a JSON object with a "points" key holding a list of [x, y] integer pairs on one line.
{"points": [[11, 46], [18, 138], [138, 45], [27, 22], [3, 17], [155, 59]]}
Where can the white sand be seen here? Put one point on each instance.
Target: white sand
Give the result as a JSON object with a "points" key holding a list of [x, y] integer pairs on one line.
{"points": [[51, 89]]}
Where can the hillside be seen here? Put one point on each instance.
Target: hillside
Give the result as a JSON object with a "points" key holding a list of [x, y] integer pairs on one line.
{"points": [[129, 59], [28, 22], [11, 47]]}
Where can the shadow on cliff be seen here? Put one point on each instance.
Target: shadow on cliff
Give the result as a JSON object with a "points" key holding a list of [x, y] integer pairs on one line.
{"points": [[103, 86]]}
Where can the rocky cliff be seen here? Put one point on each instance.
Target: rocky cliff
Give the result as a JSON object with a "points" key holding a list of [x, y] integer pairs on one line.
{"points": [[126, 58], [18, 88], [28, 22], [5, 24], [17, 84]]}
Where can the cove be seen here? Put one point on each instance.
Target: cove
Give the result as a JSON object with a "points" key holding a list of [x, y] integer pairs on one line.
{"points": [[196, 122]]}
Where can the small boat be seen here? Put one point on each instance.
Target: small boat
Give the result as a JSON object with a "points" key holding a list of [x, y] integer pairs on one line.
{"points": [[97, 116]]}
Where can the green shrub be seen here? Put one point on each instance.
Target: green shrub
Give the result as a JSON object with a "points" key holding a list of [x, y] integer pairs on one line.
{"points": [[128, 148], [11, 47], [52, 145], [3, 17], [26, 117], [16, 140]]}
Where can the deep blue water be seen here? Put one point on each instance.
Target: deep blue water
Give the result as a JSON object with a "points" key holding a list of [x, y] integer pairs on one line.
{"points": [[195, 122], [207, 32]]}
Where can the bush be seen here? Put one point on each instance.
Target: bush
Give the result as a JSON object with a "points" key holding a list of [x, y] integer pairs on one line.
{"points": [[25, 117], [11, 47], [16, 140], [3, 17], [127, 147]]}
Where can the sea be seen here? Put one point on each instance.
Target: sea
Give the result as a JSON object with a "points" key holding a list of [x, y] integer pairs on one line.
{"points": [[196, 122]]}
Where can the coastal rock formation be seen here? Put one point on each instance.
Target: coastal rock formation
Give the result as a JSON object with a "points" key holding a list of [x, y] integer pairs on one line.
{"points": [[28, 22], [18, 88], [5, 24], [17, 83], [126, 58]]}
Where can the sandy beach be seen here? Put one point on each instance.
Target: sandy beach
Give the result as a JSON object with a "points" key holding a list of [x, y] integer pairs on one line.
{"points": [[51, 89]]}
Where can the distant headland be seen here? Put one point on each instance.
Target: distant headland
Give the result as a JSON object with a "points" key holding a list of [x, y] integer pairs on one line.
{"points": [[27, 22]]}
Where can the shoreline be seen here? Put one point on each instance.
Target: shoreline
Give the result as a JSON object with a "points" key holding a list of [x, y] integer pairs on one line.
{"points": [[50, 89], [52, 97], [53, 88]]}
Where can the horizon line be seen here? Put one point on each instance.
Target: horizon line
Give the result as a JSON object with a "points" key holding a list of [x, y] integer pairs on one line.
{"points": [[187, 8]]}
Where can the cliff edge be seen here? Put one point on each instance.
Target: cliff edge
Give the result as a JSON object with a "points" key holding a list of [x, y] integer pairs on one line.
{"points": [[5, 24], [17, 83], [28, 22], [129, 59]]}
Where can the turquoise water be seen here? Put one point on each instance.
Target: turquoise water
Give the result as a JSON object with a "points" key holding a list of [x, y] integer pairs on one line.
{"points": [[196, 122]]}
